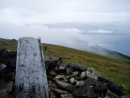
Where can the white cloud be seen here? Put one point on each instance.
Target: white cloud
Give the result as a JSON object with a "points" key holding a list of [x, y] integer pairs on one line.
{"points": [[100, 31]]}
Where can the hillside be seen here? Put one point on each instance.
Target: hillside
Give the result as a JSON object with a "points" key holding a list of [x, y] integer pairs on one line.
{"points": [[112, 69]]}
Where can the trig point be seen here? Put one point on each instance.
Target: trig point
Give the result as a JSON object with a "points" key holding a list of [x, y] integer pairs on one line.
{"points": [[31, 79]]}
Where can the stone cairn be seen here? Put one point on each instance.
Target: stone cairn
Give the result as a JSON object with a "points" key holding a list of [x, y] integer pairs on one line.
{"points": [[27, 77]]}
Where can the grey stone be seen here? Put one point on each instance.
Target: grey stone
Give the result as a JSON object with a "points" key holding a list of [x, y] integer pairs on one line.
{"points": [[79, 67], [61, 67], [79, 83], [86, 90], [53, 95], [100, 86], [61, 78], [111, 95], [111, 85], [2, 50], [11, 53], [67, 96], [72, 80], [59, 91], [3, 68], [7, 87], [69, 68], [74, 73], [52, 72], [10, 76], [92, 73], [83, 74], [125, 96], [64, 85]]}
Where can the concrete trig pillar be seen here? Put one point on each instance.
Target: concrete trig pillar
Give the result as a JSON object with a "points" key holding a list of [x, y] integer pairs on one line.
{"points": [[31, 79]]}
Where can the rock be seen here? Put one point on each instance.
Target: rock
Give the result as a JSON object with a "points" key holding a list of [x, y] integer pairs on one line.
{"points": [[125, 96], [67, 96], [2, 50], [61, 67], [59, 91], [4, 94], [74, 73], [79, 83], [2, 82], [69, 68], [52, 62], [7, 87], [11, 53], [64, 85], [50, 77], [61, 78], [79, 67], [52, 72], [92, 73], [45, 47], [83, 74], [100, 86], [3, 68], [72, 80], [86, 89], [53, 95], [111, 85], [10, 76], [111, 95]]}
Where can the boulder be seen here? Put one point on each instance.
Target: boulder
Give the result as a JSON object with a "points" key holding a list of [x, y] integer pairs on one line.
{"points": [[7, 87], [125, 96], [79, 67], [52, 72], [11, 53], [61, 67], [10, 76], [69, 68], [61, 78], [2, 50], [79, 83], [83, 74], [72, 80], [3, 68], [67, 96], [59, 91], [111, 85], [53, 95], [52, 62], [86, 90], [100, 86], [75, 73], [111, 95], [64, 85], [92, 73]]}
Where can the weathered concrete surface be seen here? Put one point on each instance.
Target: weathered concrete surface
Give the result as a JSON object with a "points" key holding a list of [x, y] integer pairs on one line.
{"points": [[31, 80]]}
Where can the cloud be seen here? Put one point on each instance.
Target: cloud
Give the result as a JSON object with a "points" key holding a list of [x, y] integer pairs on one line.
{"points": [[100, 31]]}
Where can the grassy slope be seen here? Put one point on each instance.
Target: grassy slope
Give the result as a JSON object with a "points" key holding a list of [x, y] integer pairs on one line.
{"points": [[111, 69]]}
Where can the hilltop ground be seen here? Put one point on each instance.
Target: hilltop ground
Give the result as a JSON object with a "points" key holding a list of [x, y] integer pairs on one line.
{"points": [[109, 68]]}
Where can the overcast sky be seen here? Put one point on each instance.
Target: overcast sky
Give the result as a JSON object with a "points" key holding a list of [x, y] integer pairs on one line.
{"points": [[72, 23]]}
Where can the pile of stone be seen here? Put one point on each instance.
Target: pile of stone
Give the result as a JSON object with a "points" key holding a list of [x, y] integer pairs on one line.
{"points": [[64, 80], [74, 80], [7, 72]]}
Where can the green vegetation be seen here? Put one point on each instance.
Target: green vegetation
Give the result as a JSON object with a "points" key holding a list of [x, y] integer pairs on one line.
{"points": [[112, 69]]}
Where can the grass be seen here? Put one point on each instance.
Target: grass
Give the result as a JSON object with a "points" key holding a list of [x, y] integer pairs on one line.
{"points": [[114, 70]]}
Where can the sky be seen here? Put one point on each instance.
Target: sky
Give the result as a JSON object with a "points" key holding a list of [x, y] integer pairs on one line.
{"points": [[72, 23]]}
